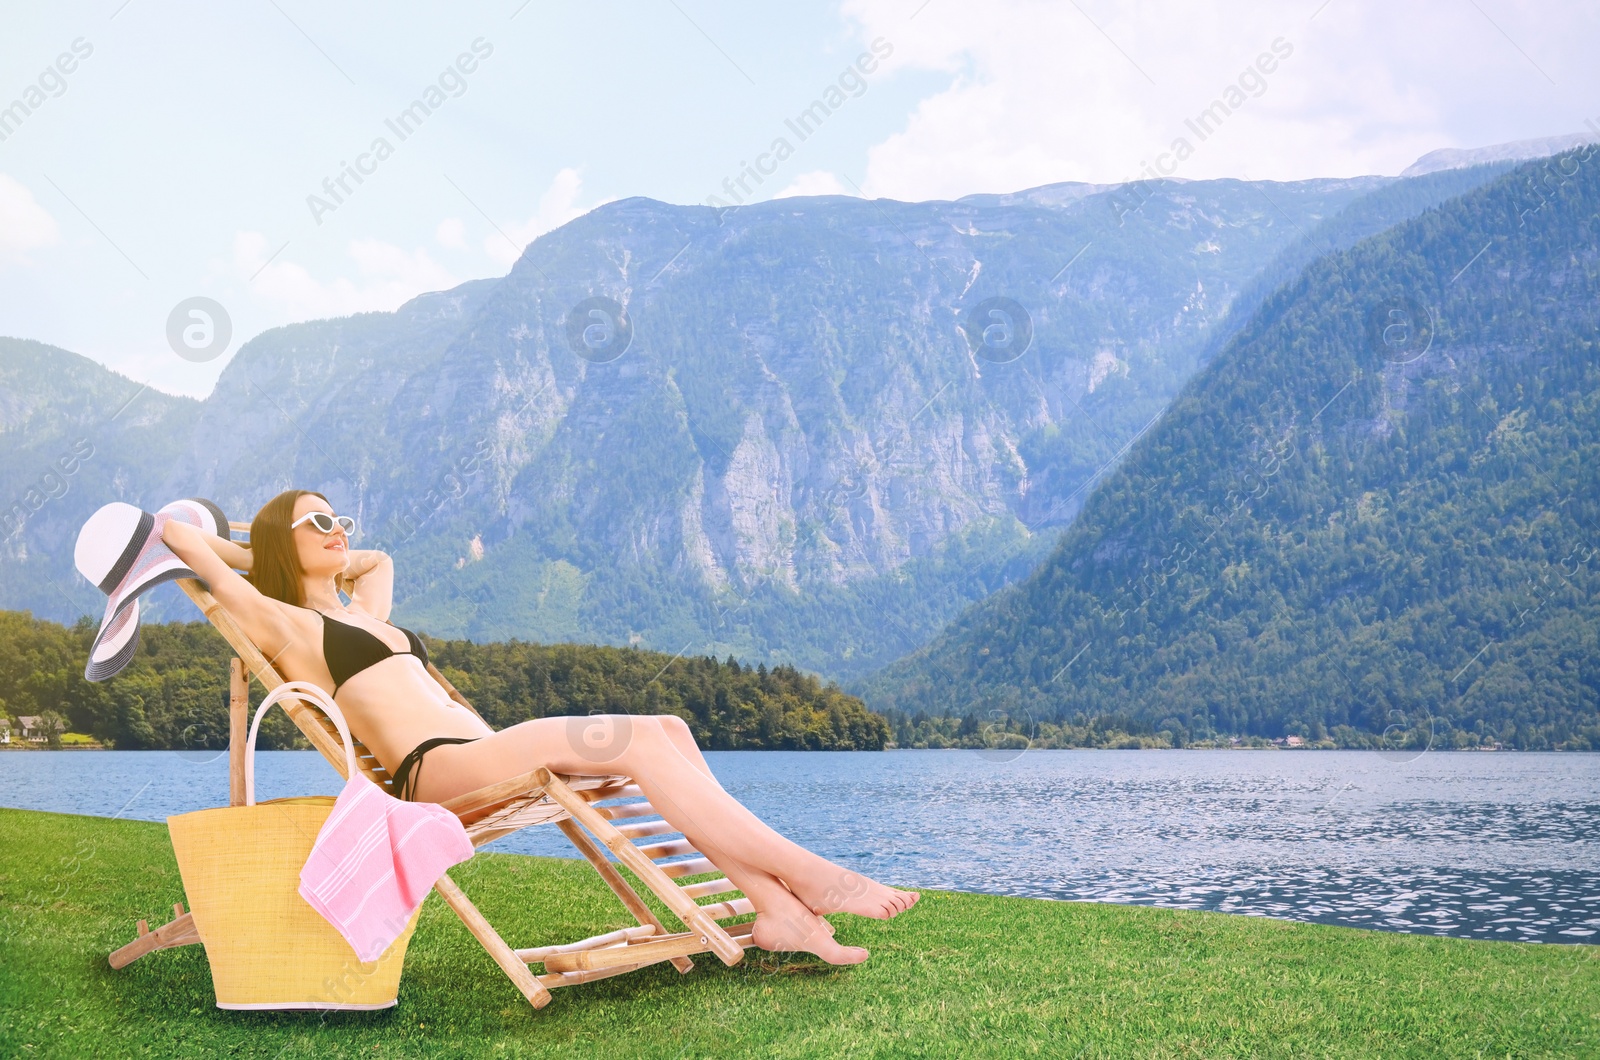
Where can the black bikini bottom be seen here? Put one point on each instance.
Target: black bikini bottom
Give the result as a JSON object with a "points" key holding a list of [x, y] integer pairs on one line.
{"points": [[407, 774]]}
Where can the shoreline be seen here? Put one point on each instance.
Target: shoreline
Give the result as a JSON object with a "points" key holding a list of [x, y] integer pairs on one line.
{"points": [[79, 747], [576, 859]]}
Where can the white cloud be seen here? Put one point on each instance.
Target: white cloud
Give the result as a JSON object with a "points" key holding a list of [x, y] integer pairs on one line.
{"points": [[1040, 91], [816, 182], [557, 206], [387, 277], [24, 224], [451, 233]]}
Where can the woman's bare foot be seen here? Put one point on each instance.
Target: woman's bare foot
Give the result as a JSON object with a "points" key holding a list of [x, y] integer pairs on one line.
{"points": [[803, 932], [841, 891], [783, 923]]}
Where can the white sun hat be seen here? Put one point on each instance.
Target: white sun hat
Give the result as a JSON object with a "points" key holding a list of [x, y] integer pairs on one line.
{"points": [[121, 551]]}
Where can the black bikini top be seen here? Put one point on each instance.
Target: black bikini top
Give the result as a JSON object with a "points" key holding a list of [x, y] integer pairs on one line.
{"points": [[350, 649]]}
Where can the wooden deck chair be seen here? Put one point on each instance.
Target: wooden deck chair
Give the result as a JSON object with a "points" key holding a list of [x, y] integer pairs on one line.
{"points": [[536, 797]]}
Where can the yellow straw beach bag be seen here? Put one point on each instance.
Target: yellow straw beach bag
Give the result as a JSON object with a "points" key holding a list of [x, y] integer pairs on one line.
{"points": [[268, 949]]}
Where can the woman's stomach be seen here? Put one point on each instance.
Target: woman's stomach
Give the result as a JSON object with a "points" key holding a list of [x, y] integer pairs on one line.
{"points": [[394, 705]]}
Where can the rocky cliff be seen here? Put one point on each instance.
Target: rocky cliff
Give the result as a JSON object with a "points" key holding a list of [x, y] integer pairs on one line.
{"points": [[808, 431]]}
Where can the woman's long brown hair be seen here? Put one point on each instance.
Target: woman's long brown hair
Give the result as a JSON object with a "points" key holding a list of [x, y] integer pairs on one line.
{"points": [[275, 568]]}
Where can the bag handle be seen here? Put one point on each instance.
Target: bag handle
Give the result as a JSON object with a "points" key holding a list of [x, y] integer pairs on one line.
{"points": [[295, 690]]}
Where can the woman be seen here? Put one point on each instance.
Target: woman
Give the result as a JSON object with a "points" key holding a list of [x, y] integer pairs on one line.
{"points": [[299, 557]]}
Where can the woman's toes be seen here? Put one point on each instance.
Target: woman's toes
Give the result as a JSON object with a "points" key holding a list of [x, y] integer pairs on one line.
{"points": [[860, 896]]}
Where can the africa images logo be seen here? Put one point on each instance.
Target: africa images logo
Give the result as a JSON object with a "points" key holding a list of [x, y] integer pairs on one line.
{"points": [[598, 329], [998, 329], [50, 84], [1400, 329]]}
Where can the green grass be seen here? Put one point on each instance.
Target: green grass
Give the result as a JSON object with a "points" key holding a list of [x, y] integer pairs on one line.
{"points": [[959, 975]]}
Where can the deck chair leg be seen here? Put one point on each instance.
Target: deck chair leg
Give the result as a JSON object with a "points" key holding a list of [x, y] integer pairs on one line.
{"points": [[619, 886], [179, 932], [683, 907], [503, 955], [238, 727]]}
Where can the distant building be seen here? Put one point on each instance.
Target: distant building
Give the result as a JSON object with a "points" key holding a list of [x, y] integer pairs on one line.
{"points": [[33, 728], [5, 730], [1294, 741]]}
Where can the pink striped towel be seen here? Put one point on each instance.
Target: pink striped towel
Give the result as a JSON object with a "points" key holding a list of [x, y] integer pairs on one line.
{"points": [[375, 860]]}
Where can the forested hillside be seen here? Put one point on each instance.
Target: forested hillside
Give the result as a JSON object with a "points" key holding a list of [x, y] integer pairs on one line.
{"points": [[1377, 513], [791, 448], [174, 694]]}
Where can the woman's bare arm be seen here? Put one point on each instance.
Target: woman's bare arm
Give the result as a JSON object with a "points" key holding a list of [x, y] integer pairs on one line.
{"points": [[369, 580], [230, 552], [213, 559]]}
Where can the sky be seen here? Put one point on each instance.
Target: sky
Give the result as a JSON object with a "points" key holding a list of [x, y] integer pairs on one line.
{"points": [[173, 151]]}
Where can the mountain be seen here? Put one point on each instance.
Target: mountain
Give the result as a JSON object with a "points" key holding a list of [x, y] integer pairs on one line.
{"points": [[1515, 151], [797, 447], [72, 436], [1376, 511]]}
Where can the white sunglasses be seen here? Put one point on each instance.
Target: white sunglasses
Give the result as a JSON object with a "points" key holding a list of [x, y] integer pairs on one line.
{"points": [[327, 523]]}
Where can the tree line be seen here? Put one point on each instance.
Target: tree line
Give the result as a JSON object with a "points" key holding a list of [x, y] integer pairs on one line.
{"points": [[174, 694]]}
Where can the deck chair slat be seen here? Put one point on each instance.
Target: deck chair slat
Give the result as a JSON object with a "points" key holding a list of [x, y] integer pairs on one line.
{"points": [[645, 828], [628, 790], [706, 888], [671, 848], [621, 813], [734, 907], [652, 949], [539, 953], [693, 867]]}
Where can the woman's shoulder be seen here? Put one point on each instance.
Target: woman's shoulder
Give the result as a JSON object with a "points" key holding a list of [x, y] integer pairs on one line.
{"points": [[277, 627]]}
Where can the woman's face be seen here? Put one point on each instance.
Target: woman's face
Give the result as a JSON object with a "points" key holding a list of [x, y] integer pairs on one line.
{"points": [[320, 554]]}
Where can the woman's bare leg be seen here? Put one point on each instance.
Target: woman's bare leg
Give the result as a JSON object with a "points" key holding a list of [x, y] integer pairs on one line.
{"points": [[752, 881], [682, 738], [782, 921], [721, 825], [682, 791]]}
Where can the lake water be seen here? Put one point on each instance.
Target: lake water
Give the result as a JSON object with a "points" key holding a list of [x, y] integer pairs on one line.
{"points": [[1476, 845]]}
